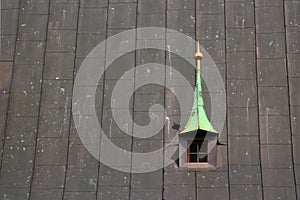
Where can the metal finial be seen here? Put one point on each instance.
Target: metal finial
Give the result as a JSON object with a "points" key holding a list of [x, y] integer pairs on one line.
{"points": [[198, 55]]}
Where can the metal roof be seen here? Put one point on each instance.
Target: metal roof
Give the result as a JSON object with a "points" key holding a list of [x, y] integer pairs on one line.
{"points": [[255, 45]]}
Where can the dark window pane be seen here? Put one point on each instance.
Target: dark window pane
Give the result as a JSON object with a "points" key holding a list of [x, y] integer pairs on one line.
{"points": [[193, 157], [202, 157], [193, 148], [203, 147]]}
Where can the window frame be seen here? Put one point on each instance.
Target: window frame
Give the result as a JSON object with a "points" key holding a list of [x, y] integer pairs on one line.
{"points": [[197, 142]]}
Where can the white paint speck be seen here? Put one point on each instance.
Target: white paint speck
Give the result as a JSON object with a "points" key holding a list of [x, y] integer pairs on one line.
{"points": [[62, 90]]}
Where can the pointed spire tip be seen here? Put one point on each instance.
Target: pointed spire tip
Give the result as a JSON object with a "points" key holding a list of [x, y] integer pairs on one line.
{"points": [[198, 55]]}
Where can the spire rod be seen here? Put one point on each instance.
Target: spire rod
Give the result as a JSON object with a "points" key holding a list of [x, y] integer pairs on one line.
{"points": [[198, 46]]}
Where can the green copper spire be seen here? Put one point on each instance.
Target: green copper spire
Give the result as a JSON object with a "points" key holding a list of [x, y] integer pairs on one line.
{"points": [[198, 118]]}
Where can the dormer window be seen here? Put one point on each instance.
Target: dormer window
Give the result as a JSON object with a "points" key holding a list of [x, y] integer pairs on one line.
{"points": [[198, 152]]}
